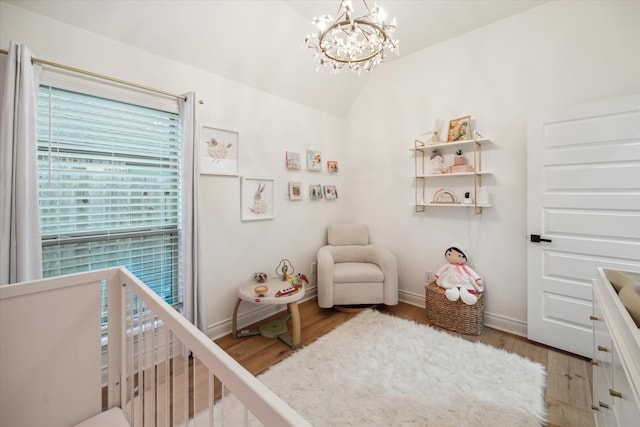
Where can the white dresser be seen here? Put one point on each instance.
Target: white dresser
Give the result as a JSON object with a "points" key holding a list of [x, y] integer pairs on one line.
{"points": [[616, 363]]}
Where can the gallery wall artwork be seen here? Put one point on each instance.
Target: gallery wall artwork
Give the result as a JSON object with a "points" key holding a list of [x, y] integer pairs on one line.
{"points": [[315, 191], [293, 160], [295, 190], [257, 198], [330, 192], [314, 160], [219, 151]]}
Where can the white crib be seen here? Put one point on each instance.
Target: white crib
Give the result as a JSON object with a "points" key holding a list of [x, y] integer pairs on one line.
{"points": [[160, 369]]}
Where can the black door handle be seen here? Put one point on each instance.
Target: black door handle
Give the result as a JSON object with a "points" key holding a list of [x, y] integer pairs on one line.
{"points": [[535, 238]]}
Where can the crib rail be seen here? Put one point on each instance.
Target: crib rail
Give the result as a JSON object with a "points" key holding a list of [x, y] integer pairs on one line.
{"points": [[171, 374], [161, 370]]}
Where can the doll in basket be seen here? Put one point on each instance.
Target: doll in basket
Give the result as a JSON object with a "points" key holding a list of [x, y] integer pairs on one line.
{"points": [[459, 280]]}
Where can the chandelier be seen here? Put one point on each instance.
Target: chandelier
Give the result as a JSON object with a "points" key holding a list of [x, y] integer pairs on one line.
{"points": [[358, 43]]}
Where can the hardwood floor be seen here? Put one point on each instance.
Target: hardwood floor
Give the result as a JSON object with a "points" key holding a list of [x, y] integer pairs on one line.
{"points": [[568, 391]]}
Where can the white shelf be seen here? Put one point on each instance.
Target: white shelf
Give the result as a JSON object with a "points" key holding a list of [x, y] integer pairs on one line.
{"points": [[454, 205], [421, 152], [450, 175], [448, 144]]}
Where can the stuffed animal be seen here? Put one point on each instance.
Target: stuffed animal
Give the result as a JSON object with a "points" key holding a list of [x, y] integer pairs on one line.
{"points": [[459, 280], [437, 163]]}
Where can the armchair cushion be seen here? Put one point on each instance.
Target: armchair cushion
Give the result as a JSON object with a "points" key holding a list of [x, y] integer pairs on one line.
{"points": [[347, 234], [354, 272]]}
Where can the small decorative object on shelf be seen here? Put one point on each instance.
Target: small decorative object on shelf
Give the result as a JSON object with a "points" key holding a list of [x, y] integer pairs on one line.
{"points": [[435, 133], [435, 138], [437, 163], [459, 158], [444, 196], [260, 277], [459, 129], [484, 198], [467, 198]]}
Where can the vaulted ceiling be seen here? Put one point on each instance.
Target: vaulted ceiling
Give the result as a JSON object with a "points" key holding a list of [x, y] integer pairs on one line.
{"points": [[259, 43]]}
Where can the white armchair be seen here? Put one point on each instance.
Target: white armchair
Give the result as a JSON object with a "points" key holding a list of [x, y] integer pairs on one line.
{"points": [[352, 272]]}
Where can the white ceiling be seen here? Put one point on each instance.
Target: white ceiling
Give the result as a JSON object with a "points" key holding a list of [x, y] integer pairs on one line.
{"points": [[259, 43]]}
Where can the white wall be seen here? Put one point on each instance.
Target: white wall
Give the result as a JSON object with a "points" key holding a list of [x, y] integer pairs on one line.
{"points": [[554, 55], [231, 251], [557, 54]]}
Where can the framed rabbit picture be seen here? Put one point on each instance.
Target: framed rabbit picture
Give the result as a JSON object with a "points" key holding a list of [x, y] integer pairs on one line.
{"points": [[256, 198]]}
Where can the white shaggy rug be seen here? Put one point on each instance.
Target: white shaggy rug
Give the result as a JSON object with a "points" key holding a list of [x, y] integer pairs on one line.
{"points": [[380, 370]]}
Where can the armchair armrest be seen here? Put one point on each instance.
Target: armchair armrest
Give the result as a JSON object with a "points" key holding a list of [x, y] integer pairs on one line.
{"points": [[384, 259], [325, 277]]}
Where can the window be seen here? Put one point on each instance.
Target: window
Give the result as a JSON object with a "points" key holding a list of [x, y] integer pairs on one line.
{"points": [[109, 175]]}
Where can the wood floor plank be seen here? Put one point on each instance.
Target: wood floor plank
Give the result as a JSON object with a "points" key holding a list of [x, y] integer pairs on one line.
{"points": [[531, 351], [497, 339]]}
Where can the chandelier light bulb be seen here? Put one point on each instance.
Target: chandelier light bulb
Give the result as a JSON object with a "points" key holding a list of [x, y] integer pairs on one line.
{"points": [[358, 43]]}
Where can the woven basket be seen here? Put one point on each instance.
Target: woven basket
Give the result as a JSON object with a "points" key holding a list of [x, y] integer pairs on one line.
{"points": [[453, 315]]}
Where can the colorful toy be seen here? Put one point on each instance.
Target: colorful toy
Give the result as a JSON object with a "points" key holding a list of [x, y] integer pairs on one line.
{"points": [[296, 284], [285, 269], [459, 280]]}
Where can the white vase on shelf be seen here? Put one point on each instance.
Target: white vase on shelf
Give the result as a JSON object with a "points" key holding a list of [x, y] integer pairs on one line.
{"points": [[484, 198]]}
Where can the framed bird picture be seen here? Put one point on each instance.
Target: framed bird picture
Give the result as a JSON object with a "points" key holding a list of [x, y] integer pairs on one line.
{"points": [[219, 151]]}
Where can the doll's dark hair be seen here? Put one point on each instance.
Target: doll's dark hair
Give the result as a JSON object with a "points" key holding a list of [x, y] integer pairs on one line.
{"points": [[453, 248]]}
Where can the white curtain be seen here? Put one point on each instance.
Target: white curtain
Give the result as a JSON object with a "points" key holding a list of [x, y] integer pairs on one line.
{"points": [[190, 136], [20, 246]]}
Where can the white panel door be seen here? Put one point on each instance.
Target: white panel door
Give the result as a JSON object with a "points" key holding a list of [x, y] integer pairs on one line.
{"points": [[583, 201]]}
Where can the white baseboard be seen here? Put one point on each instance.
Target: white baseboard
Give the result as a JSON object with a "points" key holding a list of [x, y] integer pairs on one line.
{"points": [[494, 321], [260, 312], [255, 314]]}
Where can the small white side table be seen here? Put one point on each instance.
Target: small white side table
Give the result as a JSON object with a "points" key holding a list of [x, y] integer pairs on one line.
{"points": [[276, 328]]}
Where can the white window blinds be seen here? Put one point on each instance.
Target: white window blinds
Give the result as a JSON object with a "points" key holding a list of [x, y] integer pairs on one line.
{"points": [[110, 188]]}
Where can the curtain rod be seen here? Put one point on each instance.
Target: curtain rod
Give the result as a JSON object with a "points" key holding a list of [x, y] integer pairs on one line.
{"points": [[102, 76]]}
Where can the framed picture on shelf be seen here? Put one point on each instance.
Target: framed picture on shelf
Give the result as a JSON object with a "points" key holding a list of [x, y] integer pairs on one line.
{"points": [[256, 198], [314, 160], [293, 160], [330, 192], [219, 151], [459, 129], [315, 191], [332, 166], [295, 190]]}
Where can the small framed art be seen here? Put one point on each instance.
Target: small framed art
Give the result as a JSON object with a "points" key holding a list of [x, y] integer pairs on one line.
{"points": [[330, 192], [295, 190], [219, 151], [459, 129], [332, 166], [315, 191], [293, 160], [256, 198], [314, 160]]}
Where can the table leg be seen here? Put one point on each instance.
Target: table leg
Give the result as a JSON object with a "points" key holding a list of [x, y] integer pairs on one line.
{"points": [[234, 320], [295, 323]]}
